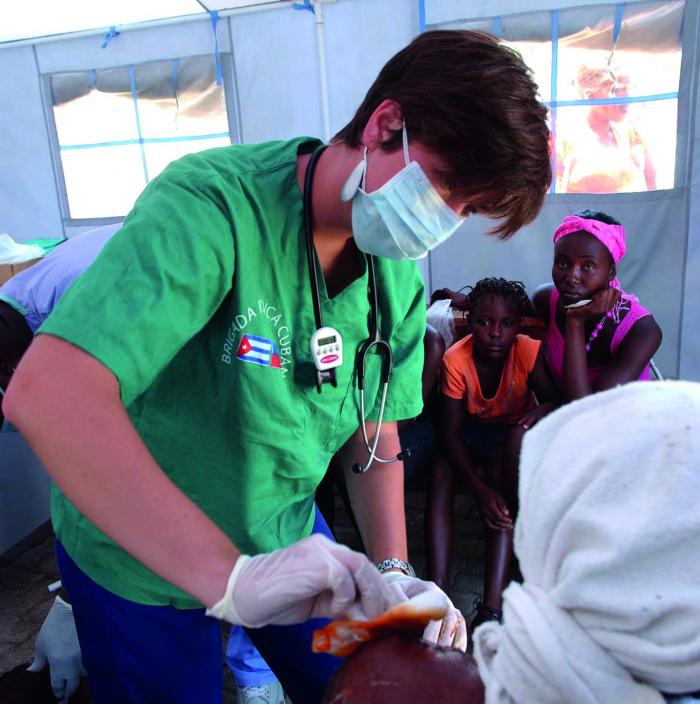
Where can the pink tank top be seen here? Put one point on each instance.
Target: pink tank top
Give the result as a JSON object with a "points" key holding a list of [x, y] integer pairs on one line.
{"points": [[555, 341]]}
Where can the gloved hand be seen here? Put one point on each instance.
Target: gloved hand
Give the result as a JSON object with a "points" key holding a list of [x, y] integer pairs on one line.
{"points": [[309, 579], [452, 630], [57, 644]]}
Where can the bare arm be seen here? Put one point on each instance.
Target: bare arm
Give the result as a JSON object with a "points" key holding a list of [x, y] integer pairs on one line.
{"points": [[378, 504], [576, 383], [452, 415], [541, 383], [492, 506], [377, 495], [629, 360], [67, 405], [633, 354]]}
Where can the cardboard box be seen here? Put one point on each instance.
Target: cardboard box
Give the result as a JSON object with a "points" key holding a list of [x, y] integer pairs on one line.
{"points": [[7, 271]]}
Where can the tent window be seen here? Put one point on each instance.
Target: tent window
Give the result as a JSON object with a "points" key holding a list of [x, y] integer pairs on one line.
{"points": [[610, 75], [118, 128]]}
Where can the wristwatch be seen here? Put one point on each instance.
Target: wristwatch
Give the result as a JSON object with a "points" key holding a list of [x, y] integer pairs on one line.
{"points": [[393, 563]]}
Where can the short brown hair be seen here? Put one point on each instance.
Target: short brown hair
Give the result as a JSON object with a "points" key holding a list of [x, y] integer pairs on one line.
{"points": [[471, 101]]}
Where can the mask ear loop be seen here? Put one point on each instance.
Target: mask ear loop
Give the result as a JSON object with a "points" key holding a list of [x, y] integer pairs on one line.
{"points": [[354, 180], [404, 134]]}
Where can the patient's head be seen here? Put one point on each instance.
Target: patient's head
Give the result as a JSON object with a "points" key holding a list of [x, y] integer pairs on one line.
{"points": [[608, 543], [402, 668]]}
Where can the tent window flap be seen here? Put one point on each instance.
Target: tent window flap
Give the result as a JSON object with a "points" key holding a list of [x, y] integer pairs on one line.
{"points": [[610, 76], [118, 128]]}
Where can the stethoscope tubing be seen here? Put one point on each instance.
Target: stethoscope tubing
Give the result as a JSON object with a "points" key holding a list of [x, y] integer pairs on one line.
{"points": [[374, 339]]}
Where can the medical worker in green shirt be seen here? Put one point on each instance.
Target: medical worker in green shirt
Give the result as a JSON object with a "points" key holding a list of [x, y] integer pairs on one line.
{"points": [[172, 394]]}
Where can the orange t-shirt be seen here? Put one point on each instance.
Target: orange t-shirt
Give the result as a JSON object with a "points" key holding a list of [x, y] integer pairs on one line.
{"points": [[459, 380]]}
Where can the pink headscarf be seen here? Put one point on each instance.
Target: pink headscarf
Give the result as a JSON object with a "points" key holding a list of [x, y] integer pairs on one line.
{"points": [[612, 236]]}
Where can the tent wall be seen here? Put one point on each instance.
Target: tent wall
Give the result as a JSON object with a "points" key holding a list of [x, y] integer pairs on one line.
{"points": [[28, 196], [360, 38], [286, 70], [447, 10], [24, 494], [274, 61], [689, 347], [148, 44]]}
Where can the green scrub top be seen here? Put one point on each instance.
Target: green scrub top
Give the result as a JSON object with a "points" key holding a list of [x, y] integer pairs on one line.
{"points": [[201, 307]]}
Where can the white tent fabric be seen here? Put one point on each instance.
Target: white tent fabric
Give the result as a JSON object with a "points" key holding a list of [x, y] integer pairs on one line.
{"points": [[296, 73], [689, 343], [24, 490], [42, 18]]}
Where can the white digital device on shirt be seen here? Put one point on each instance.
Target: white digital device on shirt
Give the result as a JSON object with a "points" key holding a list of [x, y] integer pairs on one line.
{"points": [[327, 348]]}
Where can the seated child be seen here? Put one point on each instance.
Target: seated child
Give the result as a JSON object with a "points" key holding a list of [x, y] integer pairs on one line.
{"points": [[488, 387], [612, 339]]}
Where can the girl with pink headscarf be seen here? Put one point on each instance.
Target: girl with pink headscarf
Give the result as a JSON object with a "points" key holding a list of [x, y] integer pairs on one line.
{"points": [[611, 339]]}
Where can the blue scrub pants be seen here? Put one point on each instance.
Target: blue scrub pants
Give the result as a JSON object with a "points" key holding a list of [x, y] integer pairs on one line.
{"points": [[248, 667], [135, 653]]}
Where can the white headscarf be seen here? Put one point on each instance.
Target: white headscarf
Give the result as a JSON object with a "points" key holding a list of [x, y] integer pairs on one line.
{"points": [[608, 539]]}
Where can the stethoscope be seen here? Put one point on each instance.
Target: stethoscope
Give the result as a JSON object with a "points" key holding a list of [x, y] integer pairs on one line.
{"points": [[326, 342]]}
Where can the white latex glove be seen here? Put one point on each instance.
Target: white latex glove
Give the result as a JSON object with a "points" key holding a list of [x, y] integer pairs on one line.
{"points": [[309, 579], [57, 644], [452, 630]]}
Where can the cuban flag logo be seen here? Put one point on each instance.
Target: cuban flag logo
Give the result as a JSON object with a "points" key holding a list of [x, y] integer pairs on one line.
{"points": [[259, 351]]}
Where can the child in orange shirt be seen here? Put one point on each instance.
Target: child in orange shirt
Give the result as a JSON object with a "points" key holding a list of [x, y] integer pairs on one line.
{"points": [[491, 383]]}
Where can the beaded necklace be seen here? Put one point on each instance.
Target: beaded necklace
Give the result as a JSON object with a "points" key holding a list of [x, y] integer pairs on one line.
{"points": [[596, 331], [614, 313]]}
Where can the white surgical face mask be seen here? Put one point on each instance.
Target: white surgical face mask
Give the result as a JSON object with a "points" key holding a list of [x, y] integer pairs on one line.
{"points": [[405, 218]]}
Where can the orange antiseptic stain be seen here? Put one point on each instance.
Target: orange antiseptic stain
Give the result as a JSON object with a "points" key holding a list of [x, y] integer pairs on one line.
{"points": [[343, 637]]}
